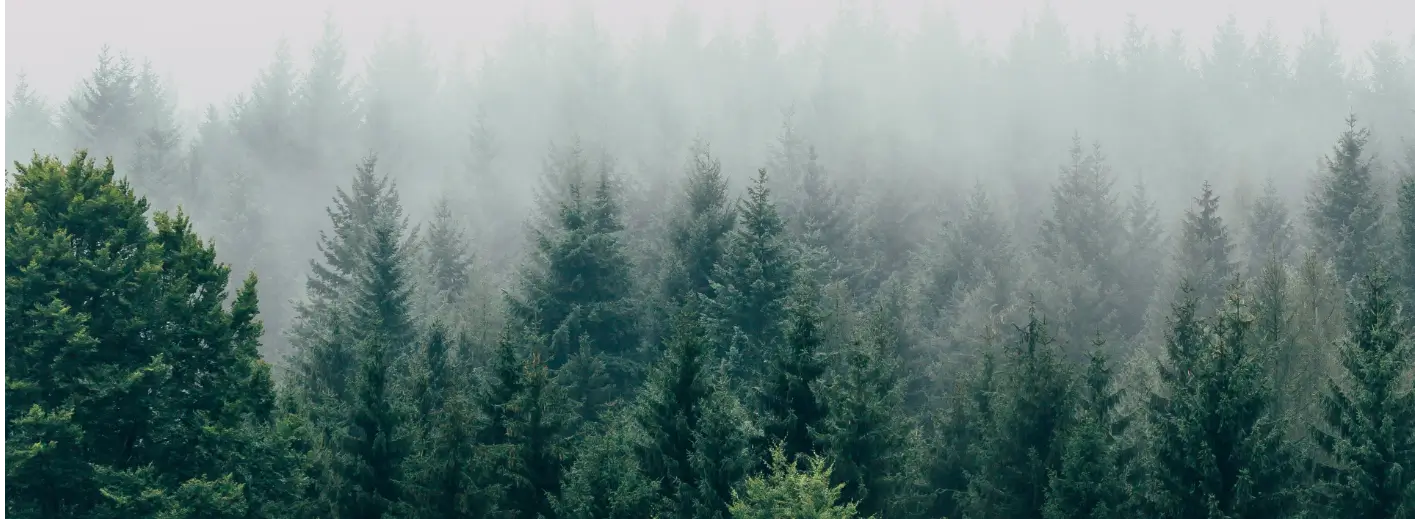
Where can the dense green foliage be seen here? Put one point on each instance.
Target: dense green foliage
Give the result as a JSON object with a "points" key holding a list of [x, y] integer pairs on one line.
{"points": [[815, 348]]}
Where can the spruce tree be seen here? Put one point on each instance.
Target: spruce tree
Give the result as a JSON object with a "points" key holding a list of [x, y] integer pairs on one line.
{"points": [[132, 389], [753, 279], [867, 434], [958, 433], [537, 420], [31, 125], [1031, 413], [1217, 449], [605, 481], [156, 160], [789, 492], [1404, 267], [1345, 209], [447, 255], [101, 116], [698, 231], [577, 286], [1095, 475], [1270, 231], [1367, 433], [376, 443], [1205, 251], [1144, 254], [791, 408], [694, 446]]}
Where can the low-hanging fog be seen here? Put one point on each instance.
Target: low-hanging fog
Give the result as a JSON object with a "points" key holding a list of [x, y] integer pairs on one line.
{"points": [[649, 242]]}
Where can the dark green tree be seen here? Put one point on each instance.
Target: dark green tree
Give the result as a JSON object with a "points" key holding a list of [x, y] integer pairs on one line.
{"points": [[376, 443], [1217, 450], [753, 279], [698, 231], [867, 433], [790, 408], [695, 445], [537, 422], [1095, 477], [1031, 412], [1367, 433]]}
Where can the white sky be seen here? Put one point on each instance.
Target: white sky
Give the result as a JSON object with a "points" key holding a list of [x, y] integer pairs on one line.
{"points": [[212, 50]]}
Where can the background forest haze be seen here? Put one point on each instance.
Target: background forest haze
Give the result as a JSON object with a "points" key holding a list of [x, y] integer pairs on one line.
{"points": [[709, 260]]}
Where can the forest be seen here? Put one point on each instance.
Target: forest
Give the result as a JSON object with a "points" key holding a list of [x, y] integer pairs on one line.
{"points": [[880, 272]]}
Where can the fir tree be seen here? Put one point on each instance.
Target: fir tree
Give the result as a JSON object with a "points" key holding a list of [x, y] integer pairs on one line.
{"points": [[1367, 433], [697, 234], [1143, 256], [786, 491], [1030, 416], [606, 481], [1095, 475], [791, 409], [753, 279], [132, 389], [1217, 448], [1205, 250], [867, 435], [536, 426], [958, 433], [1345, 210], [1270, 232], [31, 123], [376, 443], [690, 426], [1405, 230], [448, 255], [100, 116]]}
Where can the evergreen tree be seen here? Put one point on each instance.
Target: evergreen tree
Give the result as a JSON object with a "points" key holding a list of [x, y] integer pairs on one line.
{"points": [[156, 159], [1205, 251], [101, 116], [376, 443], [1095, 475], [448, 255], [791, 409], [1345, 209], [697, 234], [606, 482], [1023, 445], [324, 360], [536, 426], [958, 437], [132, 389], [30, 121], [1367, 434], [789, 492], [752, 281], [1217, 449], [1405, 230], [1143, 255], [972, 252], [577, 286], [1270, 232], [867, 435], [695, 446]]}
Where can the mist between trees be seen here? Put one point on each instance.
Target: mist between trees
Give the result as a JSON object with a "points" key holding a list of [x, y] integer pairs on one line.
{"points": [[872, 273]]}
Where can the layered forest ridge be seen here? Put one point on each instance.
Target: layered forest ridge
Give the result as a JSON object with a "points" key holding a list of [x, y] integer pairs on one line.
{"points": [[872, 273]]}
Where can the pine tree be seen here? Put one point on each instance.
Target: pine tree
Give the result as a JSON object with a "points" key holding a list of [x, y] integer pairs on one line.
{"points": [[1345, 210], [697, 234], [30, 121], [132, 389], [1405, 230], [536, 426], [1143, 255], [101, 116], [376, 443], [958, 434], [753, 279], [1270, 232], [786, 491], [448, 255], [605, 481], [324, 359], [867, 434], [156, 160], [790, 407], [577, 286], [690, 425], [1216, 447], [1205, 251], [1367, 433], [1095, 475], [1030, 415]]}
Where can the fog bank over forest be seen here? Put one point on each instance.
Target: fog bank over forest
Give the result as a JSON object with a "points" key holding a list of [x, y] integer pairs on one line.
{"points": [[907, 110]]}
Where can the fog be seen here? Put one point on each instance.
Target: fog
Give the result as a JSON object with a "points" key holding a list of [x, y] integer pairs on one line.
{"points": [[910, 106]]}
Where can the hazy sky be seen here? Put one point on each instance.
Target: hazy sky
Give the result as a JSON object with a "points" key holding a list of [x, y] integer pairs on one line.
{"points": [[212, 50]]}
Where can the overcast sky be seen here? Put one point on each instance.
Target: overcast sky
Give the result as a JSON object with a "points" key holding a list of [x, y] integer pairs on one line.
{"points": [[212, 50]]}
